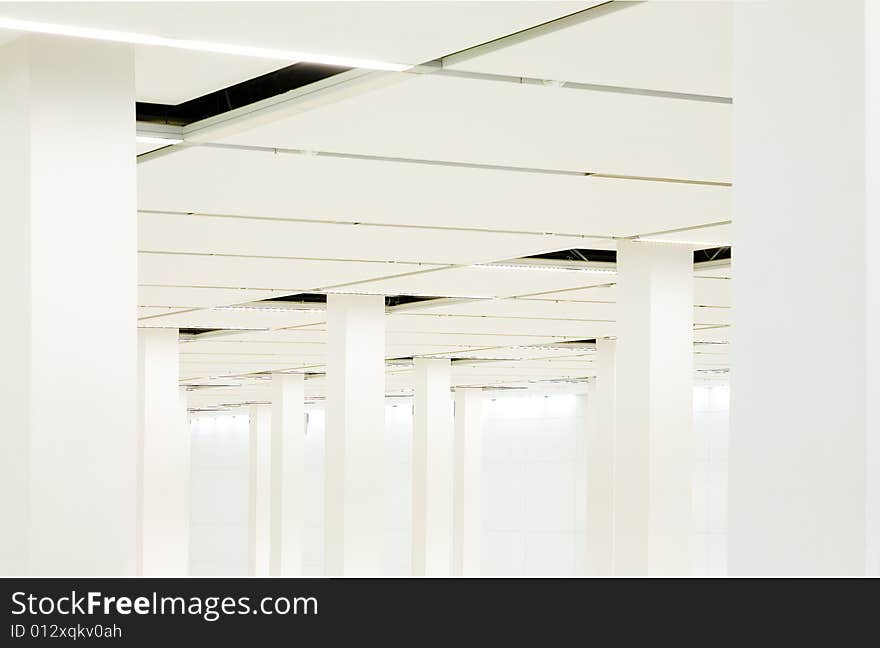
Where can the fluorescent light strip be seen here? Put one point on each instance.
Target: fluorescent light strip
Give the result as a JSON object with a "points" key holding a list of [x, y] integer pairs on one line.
{"points": [[133, 38], [708, 244], [509, 266], [167, 141], [268, 309], [343, 291]]}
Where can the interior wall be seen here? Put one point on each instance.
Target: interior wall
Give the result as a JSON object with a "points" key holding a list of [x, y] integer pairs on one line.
{"points": [[533, 491], [219, 495], [711, 427]]}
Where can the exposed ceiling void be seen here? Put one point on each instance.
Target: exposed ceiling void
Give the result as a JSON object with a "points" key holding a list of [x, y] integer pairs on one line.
{"points": [[238, 95], [196, 331], [321, 298], [610, 256], [589, 343], [192, 333]]}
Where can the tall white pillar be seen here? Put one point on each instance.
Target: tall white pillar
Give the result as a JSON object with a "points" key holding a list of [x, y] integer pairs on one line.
{"points": [[432, 468], [287, 475], [653, 445], [799, 434], [68, 276], [164, 460], [600, 461], [355, 435], [468, 511], [872, 242], [259, 509]]}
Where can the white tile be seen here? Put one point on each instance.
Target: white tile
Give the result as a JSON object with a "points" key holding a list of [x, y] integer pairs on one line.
{"points": [[549, 554], [503, 554]]}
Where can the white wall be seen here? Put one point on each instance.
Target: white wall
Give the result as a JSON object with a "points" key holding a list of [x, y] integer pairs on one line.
{"points": [[219, 495], [711, 427], [534, 487]]}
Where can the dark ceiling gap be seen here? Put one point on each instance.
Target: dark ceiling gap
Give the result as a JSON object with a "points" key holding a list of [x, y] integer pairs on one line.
{"points": [[610, 256], [321, 298], [238, 95]]}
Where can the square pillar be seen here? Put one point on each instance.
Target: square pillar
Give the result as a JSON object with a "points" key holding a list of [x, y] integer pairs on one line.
{"points": [[259, 509], [601, 406], [287, 525], [164, 460], [468, 511], [68, 337], [653, 445], [802, 445], [432, 468], [354, 451]]}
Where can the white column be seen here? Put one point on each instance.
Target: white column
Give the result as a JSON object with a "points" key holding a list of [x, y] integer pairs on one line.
{"points": [[653, 445], [355, 437], [468, 518], [164, 460], [288, 475], [432, 468], [259, 510], [68, 276], [872, 243], [797, 472], [601, 406]]}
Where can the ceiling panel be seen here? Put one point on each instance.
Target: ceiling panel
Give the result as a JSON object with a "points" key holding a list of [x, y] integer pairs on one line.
{"points": [[306, 335], [224, 318], [606, 292], [476, 281], [488, 122], [704, 237], [525, 352], [256, 183], [190, 297], [709, 315], [243, 272], [223, 346], [153, 311], [403, 32], [676, 46], [418, 339], [722, 271], [713, 334], [496, 326], [171, 76], [530, 308], [271, 237], [712, 291]]}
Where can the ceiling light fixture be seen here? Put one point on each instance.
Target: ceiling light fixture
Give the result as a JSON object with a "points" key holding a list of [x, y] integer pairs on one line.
{"points": [[149, 139], [134, 38], [707, 244], [268, 309], [528, 266]]}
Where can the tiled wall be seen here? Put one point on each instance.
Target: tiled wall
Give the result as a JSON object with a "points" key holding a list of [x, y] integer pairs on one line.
{"points": [[534, 489], [711, 425], [534, 485], [219, 496]]}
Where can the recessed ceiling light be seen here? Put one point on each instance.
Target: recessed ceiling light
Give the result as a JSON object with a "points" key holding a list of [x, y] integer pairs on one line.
{"points": [[134, 38]]}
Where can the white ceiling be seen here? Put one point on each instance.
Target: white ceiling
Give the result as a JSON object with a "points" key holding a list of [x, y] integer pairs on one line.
{"points": [[257, 183], [671, 46], [466, 120], [238, 216], [401, 32]]}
